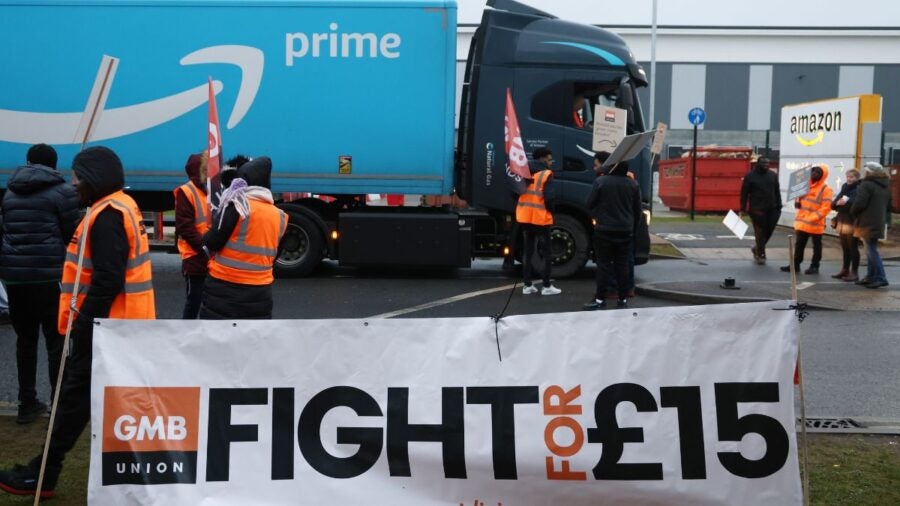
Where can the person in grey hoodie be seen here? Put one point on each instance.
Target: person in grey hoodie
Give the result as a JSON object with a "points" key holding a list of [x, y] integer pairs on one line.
{"points": [[40, 213], [871, 211]]}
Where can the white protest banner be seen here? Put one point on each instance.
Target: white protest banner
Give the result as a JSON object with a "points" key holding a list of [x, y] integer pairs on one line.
{"points": [[734, 223], [682, 405], [609, 127]]}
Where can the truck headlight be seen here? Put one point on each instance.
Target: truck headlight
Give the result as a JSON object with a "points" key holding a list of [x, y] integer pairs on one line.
{"points": [[647, 216]]}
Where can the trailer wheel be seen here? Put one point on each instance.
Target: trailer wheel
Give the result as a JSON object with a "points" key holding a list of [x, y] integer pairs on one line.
{"points": [[568, 245], [303, 247]]}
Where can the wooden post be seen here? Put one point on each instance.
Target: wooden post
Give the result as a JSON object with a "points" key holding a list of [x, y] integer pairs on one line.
{"points": [[804, 445]]}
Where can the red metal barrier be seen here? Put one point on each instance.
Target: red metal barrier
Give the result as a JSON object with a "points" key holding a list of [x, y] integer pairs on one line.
{"points": [[719, 175]]}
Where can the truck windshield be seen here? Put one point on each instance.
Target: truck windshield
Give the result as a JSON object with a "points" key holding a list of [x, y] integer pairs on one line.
{"points": [[571, 103]]}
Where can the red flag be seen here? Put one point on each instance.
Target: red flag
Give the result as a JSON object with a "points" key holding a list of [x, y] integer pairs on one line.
{"points": [[214, 144], [515, 151]]}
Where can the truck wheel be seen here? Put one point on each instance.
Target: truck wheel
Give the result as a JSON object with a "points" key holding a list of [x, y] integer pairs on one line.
{"points": [[303, 245], [568, 245]]}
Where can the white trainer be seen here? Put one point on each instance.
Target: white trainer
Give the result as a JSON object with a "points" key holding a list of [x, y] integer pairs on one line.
{"points": [[528, 290], [550, 290]]}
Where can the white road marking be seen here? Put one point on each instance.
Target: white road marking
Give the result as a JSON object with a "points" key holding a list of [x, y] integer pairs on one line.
{"points": [[732, 236], [681, 237], [804, 285], [441, 302]]}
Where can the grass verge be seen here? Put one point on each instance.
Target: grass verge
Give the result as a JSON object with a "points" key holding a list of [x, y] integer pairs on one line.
{"points": [[19, 443], [666, 250], [852, 469]]}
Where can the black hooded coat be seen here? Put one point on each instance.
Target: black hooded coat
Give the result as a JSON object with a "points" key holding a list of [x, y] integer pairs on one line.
{"points": [[223, 299], [40, 213], [101, 170]]}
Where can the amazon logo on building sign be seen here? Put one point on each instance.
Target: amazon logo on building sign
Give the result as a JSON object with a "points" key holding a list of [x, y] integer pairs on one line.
{"points": [[809, 129]]}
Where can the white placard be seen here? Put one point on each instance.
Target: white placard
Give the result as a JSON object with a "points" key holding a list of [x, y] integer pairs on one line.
{"points": [[734, 223], [609, 127], [680, 405], [659, 138]]}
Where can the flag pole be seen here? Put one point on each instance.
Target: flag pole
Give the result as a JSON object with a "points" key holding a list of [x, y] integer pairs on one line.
{"points": [[804, 444]]}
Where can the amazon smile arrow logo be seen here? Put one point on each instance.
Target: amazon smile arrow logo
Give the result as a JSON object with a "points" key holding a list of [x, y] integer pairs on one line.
{"points": [[61, 127]]}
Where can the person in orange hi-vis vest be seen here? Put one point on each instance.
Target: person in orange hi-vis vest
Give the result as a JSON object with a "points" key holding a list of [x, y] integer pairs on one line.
{"points": [[809, 222], [536, 220], [115, 282], [192, 219], [244, 239]]}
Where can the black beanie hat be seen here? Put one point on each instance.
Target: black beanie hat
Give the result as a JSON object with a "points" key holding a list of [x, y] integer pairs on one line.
{"points": [[101, 169]]}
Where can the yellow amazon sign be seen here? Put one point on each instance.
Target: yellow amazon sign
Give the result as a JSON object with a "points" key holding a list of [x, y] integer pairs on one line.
{"points": [[817, 123]]}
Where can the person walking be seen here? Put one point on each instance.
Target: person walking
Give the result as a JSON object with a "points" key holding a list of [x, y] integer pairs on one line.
{"points": [[872, 211], [536, 220], [192, 219], [761, 199], [809, 222], [115, 282], [40, 213], [244, 239], [615, 207], [843, 224]]}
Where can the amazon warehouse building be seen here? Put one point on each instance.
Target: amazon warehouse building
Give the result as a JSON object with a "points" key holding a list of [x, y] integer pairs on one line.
{"points": [[743, 61]]}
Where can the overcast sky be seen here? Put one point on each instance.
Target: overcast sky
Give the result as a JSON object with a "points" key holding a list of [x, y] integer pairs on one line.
{"points": [[763, 13]]}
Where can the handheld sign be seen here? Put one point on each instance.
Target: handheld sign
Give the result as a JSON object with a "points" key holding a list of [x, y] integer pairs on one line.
{"points": [[798, 184], [629, 148], [609, 127], [659, 138], [734, 223]]}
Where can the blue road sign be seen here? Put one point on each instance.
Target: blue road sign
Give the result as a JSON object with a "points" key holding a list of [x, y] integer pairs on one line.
{"points": [[697, 116]]}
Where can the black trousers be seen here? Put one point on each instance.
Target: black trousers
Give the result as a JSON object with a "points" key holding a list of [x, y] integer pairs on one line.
{"points": [[193, 292], [540, 235], [764, 224], [73, 410], [802, 239], [33, 307], [613, 251], [850, 250]]}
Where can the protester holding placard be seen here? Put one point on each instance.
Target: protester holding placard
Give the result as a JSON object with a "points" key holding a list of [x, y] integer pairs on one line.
{"points": [[761, 199], [872, 210], [843, 224], [109, 259], [809, 222]]}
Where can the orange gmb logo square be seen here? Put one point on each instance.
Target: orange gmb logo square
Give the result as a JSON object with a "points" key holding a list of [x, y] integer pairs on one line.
{"points": [[150, 419]]}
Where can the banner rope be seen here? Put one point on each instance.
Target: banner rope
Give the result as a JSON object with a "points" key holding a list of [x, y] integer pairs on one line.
{"points": [[497, 317]]}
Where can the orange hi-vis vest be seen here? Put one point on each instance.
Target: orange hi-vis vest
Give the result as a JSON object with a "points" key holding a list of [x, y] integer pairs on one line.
{"points": [[531, 207], [249, 254], [814, 208], [202, 216], [136, 301]]}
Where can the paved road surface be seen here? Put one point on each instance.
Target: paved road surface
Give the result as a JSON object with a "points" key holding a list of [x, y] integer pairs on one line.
{"points": [[850, 357]]}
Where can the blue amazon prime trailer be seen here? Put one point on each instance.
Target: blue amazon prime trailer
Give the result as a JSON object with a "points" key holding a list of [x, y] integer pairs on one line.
{"points": [[308, 83], [348, 98]]}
